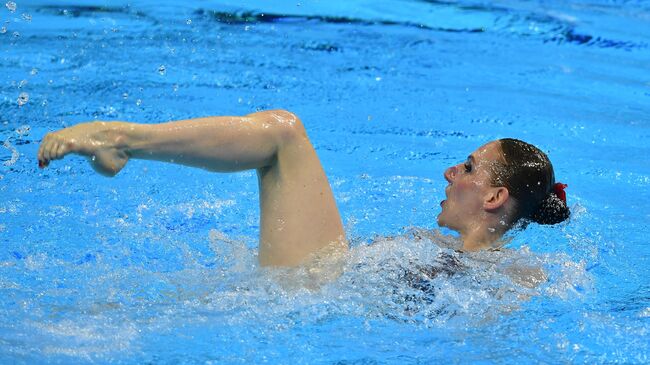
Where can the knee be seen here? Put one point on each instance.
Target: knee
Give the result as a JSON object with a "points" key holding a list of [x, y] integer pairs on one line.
{"points": [[286, 124]]}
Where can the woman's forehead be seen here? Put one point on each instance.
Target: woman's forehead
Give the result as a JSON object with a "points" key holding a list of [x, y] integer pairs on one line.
{"points": [[489, 151]]}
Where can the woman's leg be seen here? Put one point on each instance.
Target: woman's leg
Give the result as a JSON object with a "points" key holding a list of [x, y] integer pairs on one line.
{"points": [[299, 216]]}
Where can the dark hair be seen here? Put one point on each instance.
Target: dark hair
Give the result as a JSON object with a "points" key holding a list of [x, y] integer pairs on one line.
{"points": [[528, 175]]}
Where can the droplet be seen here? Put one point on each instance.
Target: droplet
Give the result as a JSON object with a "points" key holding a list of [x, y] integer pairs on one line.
{"points": [[162, 70], [492, 230], [11, 6], [26, 17], [23, 98], [189, 22], [23, 130]]}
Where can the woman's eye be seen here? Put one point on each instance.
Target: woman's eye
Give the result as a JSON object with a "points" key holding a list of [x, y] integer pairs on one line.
{"points": [[468, 166]]}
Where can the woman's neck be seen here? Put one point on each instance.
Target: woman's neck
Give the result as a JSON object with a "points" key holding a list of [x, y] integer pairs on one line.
{"points": [[481, 238]]}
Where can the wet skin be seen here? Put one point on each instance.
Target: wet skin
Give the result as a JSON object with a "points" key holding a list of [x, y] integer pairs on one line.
{"points": [[473, 207], [299, 219]]}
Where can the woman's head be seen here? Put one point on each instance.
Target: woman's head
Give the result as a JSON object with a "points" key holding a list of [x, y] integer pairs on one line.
{"points": [[529, 177], [500, 184]]}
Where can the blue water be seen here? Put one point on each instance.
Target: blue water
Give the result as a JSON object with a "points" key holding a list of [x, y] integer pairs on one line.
{"points": [[158, 265]]}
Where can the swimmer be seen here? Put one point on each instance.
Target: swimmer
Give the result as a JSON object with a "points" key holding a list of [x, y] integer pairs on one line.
{"points": [[502, 184]]}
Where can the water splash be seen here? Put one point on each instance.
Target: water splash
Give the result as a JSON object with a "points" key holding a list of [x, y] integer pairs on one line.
{"points": [[23, 130], [23, 98], [11, 6], [14, 153]]}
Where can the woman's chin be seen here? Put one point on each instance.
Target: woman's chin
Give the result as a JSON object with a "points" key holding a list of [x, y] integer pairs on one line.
{"points": [[441, 220]]}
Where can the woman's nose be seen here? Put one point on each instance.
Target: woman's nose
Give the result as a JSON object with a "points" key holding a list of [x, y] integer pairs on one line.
{"points": [[450, 173]]}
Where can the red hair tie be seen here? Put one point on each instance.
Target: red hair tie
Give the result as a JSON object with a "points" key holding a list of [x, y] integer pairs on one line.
{"points": [[558, 189]]}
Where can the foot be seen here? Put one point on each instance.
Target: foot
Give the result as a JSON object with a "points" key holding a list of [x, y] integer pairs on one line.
{"points": [[99, 141]]}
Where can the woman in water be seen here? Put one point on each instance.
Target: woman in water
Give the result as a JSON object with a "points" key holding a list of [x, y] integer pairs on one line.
{"points": [[501, 184]]}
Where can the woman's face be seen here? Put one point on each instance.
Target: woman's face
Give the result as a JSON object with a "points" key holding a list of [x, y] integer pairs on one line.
{"points": [[469, 187]]}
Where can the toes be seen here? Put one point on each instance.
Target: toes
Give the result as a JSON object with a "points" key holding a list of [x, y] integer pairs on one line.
{"points": [[60, 151], [50, 149], [53, 150], [42, 151]]}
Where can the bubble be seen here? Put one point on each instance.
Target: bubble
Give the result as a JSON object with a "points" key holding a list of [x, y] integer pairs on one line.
{"points": [[22, 84], [11, 6], [125, 95], [34, 71], [138, 102], [162, 70], [16, 34], [3, 30], [23, 98], [26, 17], [189, 22]]}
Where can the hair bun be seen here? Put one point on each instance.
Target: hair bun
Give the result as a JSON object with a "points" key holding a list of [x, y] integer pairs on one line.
{"points": [[553, 210]]}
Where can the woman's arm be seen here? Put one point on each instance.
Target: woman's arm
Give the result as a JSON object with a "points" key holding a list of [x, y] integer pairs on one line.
{"points": [[299, 217]]}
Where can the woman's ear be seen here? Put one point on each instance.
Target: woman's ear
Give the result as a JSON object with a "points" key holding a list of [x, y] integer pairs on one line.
{"points": [[496, 198]]}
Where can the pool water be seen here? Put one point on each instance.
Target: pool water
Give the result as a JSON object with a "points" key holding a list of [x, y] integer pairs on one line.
{"points": [[158, 265]]}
